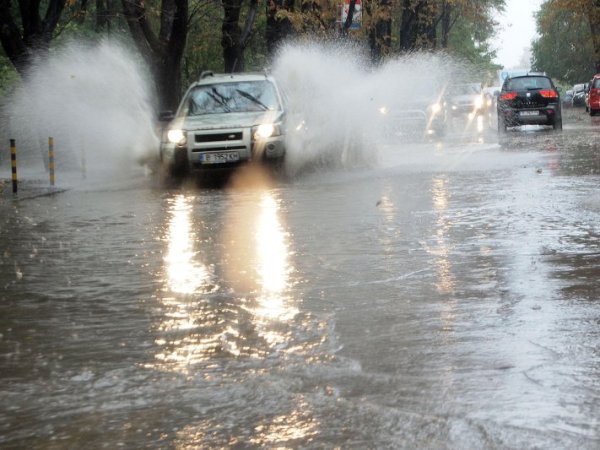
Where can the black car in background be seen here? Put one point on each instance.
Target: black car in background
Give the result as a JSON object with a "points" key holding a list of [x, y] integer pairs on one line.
{"points": [[529, 100]]}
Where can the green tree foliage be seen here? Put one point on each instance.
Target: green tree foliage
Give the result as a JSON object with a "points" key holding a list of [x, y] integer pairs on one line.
{"points": [[565, 48], [459, 27], [587, 10]]}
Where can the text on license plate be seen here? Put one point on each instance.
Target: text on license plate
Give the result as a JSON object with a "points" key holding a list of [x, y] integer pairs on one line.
{"points": [[219, 158], [529, 113]]}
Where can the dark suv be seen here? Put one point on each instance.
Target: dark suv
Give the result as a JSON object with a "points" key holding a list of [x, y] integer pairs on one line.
{"points": [[529, 100]]}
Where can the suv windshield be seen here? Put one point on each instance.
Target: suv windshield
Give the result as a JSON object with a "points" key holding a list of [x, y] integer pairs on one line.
{"points": [[528, 83], [245, 96]]}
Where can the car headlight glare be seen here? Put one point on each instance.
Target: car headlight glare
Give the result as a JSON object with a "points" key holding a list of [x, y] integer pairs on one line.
{"points": [[436, 108], [176, 136], [266, 130], [478, 102], [384, 110]]}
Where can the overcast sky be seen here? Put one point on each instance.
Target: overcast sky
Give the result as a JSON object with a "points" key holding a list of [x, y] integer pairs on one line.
{"points": [[516, 30]]}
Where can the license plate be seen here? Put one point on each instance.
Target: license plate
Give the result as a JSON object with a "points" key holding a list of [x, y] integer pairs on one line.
{"points": [[219, 158], [529, 113]]}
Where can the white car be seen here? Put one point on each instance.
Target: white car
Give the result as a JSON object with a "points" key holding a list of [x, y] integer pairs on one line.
{"points": [[466, 99], [224, 120]]}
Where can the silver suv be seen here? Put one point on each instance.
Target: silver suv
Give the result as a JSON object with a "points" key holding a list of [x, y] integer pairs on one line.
{"points": [[225, 120]]}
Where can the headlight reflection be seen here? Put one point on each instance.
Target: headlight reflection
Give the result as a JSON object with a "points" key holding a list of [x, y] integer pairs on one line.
{"points": [[273, 265], [440, 197], [179, 345], [185, 275]]}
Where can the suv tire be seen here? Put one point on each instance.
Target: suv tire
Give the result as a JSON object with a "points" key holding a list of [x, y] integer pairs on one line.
{"points": [[501, 124], [557, 124]]}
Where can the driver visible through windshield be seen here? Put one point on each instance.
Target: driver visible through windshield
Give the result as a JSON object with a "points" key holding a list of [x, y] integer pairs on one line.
{"points": [[247, 96]]}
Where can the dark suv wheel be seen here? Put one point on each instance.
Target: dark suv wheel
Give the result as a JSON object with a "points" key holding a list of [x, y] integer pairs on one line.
{"points": [[557, 124], [501, 124]]}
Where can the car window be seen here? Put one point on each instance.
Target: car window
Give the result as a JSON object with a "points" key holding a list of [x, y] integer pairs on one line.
{"points": [[247, 96], [465, 89], [528, 83], [596, 84]]}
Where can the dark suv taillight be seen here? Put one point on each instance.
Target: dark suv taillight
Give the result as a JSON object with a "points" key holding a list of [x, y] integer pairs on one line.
{"points": [[548, 93], [508, 96]]}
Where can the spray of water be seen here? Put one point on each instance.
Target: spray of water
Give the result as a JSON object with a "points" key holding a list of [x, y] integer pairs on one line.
{"points": [[336, 99], [94, 100]]}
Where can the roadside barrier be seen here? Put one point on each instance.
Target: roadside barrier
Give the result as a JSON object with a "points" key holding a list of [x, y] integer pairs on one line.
{"points": [[51, 160], [13, 161]]}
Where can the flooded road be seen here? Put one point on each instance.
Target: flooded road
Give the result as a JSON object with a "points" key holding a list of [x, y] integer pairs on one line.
{"points": [[446, 297]]}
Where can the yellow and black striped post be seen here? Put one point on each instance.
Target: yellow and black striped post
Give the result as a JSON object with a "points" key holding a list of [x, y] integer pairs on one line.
{"points": [[13, 160], [51, 160]]}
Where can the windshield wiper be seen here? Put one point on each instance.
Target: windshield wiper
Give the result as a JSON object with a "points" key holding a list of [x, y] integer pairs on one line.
{"points": [[252, 98], [219, 99]]}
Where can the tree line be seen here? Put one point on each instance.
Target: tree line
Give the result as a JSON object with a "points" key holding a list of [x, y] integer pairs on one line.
{"points": [[568, 46], [179, 38]]}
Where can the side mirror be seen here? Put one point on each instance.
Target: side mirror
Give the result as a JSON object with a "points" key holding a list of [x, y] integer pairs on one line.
{"points": [[166, 116], [559, 89]]}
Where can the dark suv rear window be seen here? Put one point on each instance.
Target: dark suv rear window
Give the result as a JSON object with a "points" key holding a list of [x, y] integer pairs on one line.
{"points": [[528, 83]]}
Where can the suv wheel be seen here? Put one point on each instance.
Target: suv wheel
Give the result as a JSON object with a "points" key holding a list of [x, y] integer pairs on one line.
{"points": [[501, 124]]}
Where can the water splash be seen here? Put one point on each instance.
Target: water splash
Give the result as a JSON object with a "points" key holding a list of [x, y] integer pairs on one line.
{"points": [[93, 99], [336, 97]]}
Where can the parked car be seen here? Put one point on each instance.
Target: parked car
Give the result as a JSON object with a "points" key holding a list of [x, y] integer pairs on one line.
{"points": [[579, 94], [529, 100], [593, 97], [567, 98], [222, 121], [465, 99]]}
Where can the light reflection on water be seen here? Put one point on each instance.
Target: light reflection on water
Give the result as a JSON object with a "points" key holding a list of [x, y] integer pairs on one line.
{"points": [[185, 274], [443, 266], [204, 328], [253, 250]]}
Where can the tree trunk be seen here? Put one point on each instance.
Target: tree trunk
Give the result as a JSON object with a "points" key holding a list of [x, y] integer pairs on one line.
{"points": [[408, 30], [33, 40], [102, 15], [234, 40], [279, 27], [233, 55], [380, 34], [445, 19], [162, 53], [418, 25]]}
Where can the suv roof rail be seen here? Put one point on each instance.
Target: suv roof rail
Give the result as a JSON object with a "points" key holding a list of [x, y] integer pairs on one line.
{"points": [[206, 73]]}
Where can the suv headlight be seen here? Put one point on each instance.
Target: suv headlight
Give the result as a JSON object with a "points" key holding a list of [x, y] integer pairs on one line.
{"points": [[176, 136], [266, 130]]}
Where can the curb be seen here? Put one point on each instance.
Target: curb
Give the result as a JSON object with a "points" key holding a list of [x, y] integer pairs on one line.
{"points": [[27, 189]]}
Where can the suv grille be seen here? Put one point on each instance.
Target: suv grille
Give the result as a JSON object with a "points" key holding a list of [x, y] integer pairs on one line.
{"points": [[219, 137]]}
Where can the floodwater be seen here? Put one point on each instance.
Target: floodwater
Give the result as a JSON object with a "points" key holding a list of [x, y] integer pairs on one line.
{"points": [[446, 297]]}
